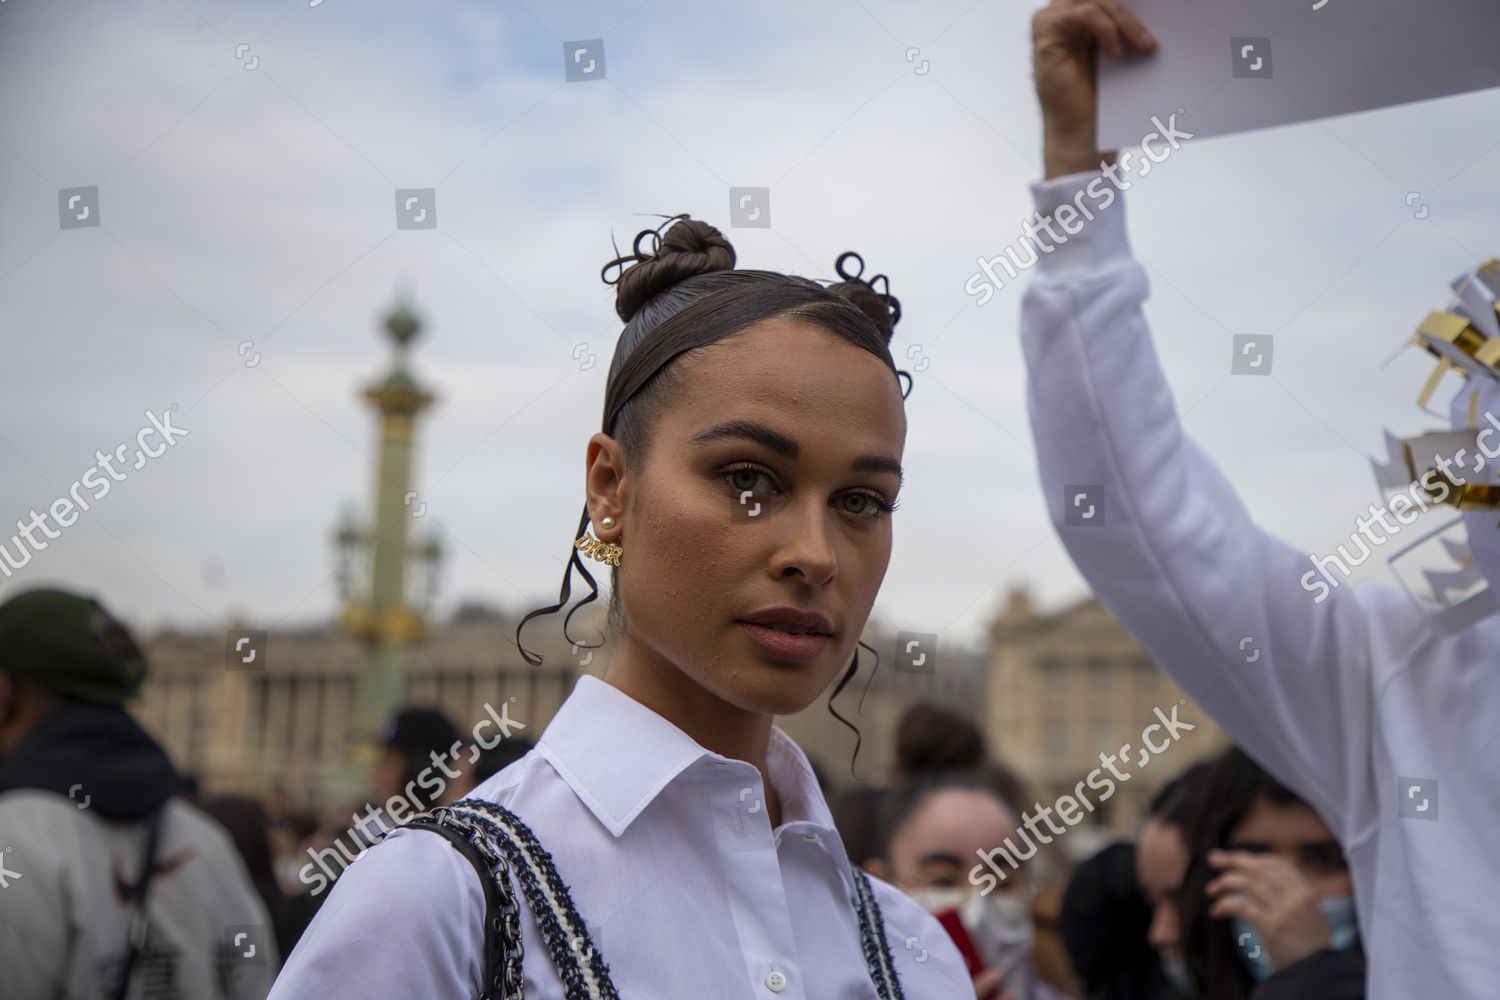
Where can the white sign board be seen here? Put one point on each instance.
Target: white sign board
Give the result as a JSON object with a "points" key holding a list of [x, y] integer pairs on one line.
{"points": [[1236, 65]]}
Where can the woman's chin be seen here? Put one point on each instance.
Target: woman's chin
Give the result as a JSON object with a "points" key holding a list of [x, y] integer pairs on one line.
{"points": [[776, 689]]}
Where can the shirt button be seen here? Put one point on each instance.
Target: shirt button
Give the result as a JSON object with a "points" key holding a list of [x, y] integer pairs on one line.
{"points": [[775, 981]]}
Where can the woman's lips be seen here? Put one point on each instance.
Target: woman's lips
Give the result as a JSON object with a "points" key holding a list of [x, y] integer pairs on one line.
{"points": [[785, 645]]}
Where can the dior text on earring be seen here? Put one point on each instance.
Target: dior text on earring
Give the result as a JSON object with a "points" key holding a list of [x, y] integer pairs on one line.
{"points": [[601, 551]]}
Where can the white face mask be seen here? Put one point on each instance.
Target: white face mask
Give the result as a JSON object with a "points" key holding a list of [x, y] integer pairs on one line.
{"points": [[1176, 972], [1000, 925]]}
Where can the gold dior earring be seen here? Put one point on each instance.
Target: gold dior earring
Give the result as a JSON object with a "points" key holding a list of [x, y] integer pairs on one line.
{"points": [[597, 549]]}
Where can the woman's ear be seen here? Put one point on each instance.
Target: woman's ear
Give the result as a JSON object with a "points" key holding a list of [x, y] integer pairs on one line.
{"points": [[605, 485]]}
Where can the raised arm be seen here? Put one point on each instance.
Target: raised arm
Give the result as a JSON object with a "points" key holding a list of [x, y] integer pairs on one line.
{"points": [[1146, 515]]}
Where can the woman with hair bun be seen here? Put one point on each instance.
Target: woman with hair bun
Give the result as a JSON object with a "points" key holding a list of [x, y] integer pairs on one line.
{"points": [[664, 839]]}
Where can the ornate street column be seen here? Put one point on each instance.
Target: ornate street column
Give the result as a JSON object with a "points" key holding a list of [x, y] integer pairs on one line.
{"points": [[374, 561]]}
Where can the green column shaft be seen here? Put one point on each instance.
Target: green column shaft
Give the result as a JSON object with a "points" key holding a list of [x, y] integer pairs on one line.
{"points": [[382, 684]]}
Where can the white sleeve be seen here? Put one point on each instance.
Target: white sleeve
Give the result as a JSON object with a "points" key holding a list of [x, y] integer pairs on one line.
{"points": [[404, 920], [1170, 550], [34, 928]]}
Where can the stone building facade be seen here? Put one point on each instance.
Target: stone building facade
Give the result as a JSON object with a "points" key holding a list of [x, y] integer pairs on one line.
{"points": [[1051, 691], [1066, 686]]}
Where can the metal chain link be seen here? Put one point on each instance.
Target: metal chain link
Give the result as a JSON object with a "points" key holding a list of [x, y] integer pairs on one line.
{"points": [[504, 929]]}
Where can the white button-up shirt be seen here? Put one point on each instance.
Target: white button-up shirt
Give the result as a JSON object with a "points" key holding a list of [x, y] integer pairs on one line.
{"points": [[670, 859]]}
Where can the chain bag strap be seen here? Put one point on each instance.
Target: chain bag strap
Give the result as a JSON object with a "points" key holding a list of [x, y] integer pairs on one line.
{"points": [[503, 949], [497, 843]]}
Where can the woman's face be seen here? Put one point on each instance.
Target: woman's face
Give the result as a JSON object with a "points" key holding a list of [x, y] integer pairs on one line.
{"points": [[935, 848], [1161, 862], [762, 488], [1294, 831]]}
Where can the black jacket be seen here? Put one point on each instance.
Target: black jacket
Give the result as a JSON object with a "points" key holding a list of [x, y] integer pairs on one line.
{"points": [[1330, 974]]}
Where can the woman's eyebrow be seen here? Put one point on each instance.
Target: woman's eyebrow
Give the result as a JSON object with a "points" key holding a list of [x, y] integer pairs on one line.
{"points": [[786, 447], [941, 857], [1251, 846], [1322, 847]]}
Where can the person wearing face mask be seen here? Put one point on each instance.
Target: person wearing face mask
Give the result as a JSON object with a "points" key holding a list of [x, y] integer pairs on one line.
{"points": [[933, 737], [931, 828], [1267, 909]]}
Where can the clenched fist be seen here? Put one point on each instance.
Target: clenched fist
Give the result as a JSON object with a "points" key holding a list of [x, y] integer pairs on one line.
{"points": [[1066, 37]]}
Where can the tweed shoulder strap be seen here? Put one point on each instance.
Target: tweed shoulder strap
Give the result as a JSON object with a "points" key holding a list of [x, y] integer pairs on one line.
{"points": [[872, 938], [499, 845]]}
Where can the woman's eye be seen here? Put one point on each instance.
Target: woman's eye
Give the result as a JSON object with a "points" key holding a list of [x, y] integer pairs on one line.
{"points": [[866, 504], [754, 481], [745, 479], [1326, 858]]}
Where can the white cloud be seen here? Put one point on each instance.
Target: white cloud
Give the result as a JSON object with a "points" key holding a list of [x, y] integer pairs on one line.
{"points": [[267, 211]]}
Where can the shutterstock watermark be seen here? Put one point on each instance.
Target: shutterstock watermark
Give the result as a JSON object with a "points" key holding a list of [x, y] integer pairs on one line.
{"points": [[986, 281], [433, 779], [65, 509], [1071, 808], [1453, 453]]}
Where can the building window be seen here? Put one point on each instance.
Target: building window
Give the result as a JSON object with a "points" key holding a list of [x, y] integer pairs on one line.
{"points": [[346, 695], [259, 699], [1147, 677], [1057, 738], [291, 744], [1056, 669], [319, 714], [1101, 673]]}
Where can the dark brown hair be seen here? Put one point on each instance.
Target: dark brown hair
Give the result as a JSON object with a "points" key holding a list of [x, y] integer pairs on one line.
{"points": [[1226, 793], [684, 293], [931, 737], [907, 798]]}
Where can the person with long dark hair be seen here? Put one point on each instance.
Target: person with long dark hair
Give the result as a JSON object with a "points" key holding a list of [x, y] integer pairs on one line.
{"points": [[664, 838], [1120, 913], [1161, 864], [1266, 905]]}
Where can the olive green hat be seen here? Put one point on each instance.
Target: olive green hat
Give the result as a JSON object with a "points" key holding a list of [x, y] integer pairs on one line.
{"points": [[70, 644]]}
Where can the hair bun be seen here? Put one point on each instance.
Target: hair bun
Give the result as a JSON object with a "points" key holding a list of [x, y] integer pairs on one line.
{"points": [[682, 247], [883, 308]]}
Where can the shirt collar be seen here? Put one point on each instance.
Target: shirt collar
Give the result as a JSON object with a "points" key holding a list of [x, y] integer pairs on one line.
{"points": [[617, 755]]}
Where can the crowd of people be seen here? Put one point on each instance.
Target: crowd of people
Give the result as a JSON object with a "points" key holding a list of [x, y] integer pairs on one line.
{"points": [[1233, 887]]}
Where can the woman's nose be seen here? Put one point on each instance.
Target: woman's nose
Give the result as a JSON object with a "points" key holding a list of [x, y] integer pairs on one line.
{"points": [[807, 549]]}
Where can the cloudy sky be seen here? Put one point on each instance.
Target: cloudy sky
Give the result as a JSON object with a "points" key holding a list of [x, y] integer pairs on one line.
{"points": [[239, 204]]}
